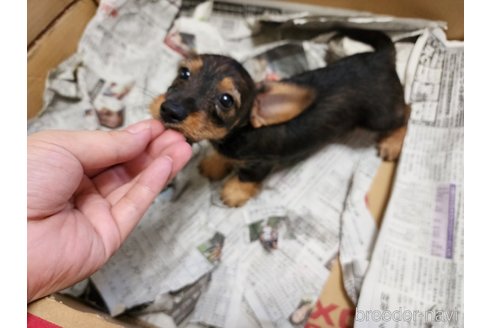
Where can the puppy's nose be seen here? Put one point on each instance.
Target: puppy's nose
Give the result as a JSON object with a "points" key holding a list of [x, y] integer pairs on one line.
{"points": [[172, 112]]}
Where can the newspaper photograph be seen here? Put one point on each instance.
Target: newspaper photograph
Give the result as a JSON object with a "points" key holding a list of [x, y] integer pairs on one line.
{"points": [[193, 261]]}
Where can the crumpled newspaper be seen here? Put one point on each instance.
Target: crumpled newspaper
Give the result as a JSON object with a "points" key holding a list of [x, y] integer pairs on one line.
{"points": [[191, 257]]}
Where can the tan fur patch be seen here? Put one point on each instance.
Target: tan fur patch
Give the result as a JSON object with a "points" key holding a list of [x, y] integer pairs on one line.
{"points": [[389, 146], [194, 64], [280, 103], [215, 166], [197, 127], [155, 106], [227, 86], [236, 193]]}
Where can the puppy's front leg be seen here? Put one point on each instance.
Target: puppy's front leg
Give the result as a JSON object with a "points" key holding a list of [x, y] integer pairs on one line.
{"points": [[215, 166], [240, 188], [236, 193]]}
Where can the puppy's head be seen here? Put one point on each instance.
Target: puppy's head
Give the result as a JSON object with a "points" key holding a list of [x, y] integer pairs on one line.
{"points": [[212, 95]]}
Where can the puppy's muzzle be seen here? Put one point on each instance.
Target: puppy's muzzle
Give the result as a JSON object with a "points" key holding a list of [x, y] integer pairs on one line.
{"points": [[172, 112]]}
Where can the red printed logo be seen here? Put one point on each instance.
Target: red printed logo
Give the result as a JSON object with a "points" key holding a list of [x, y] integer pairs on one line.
{"points": [[332, 315]]}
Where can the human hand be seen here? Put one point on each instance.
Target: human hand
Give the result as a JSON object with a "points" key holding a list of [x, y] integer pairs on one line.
{"points": [[86, 191]]}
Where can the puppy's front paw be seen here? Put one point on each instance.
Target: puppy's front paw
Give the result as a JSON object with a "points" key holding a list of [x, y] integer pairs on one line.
{"points": [[236, 193], [215, 167], [389, 147]]}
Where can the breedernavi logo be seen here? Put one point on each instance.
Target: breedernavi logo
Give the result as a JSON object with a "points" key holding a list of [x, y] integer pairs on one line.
{"points": [[404, 315]]}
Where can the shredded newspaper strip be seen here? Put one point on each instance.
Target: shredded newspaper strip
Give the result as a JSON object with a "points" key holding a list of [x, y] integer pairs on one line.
{"points": [[415, 277], [191, 259]]}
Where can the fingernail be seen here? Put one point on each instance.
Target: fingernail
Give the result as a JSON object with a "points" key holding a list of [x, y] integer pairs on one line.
{"points": [[138, 127]]}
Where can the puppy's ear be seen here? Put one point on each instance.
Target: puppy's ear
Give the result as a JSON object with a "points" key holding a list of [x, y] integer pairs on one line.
{"points": [[279, 102]]}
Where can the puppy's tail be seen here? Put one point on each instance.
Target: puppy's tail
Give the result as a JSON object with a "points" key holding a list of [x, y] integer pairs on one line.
{"points": [[378, 40]]}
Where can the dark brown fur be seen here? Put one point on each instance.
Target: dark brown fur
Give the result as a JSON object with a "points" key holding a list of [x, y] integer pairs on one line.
{"points": [[257, 129]]}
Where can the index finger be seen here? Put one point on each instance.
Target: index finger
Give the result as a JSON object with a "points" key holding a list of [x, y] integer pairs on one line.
{"points": [[100, 149]]}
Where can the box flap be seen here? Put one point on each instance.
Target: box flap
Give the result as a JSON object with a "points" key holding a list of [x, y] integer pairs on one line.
{"points": [[40, 14], [54, 46]]}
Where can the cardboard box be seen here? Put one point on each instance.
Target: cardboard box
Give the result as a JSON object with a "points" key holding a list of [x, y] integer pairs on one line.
{"points": [[41, 14], [451, 11], [66, 312], [54, 30], [55, 43]]}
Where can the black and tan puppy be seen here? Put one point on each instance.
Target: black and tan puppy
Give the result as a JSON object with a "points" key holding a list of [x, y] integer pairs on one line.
{"points": [[254, 130]]}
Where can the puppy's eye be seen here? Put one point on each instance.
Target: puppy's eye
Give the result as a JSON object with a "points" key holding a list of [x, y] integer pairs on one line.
{"points": [[184, 73], [226, 100]]}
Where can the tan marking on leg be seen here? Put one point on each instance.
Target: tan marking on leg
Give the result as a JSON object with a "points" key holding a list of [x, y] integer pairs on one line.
{"points": [[215, 166], [155, 106], [390, 145], [236, 193]]}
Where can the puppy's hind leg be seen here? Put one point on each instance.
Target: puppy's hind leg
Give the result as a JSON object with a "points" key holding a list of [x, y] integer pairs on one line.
{"points": [[240, 188], [391, 143]]}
